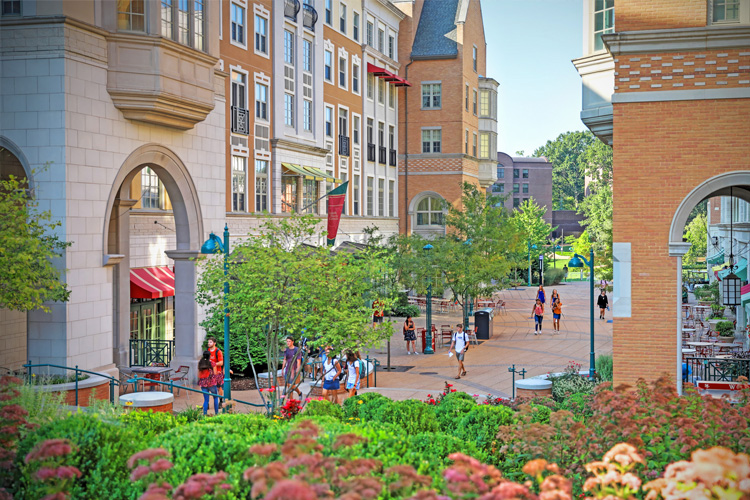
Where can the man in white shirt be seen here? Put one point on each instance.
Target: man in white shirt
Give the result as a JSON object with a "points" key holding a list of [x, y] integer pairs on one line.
{"points": [[460, 340]]}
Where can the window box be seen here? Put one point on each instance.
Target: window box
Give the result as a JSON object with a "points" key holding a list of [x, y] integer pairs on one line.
{"points": [[309, 17], [240, 122], [291, 9]]}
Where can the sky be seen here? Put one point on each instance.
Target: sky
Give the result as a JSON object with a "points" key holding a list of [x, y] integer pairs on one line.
{"points": [[530, 44]]}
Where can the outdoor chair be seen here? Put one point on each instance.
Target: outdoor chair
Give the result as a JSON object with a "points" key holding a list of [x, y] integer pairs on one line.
{"points": [[445, 334], [473, 336], [180, 376], [125, 375]]}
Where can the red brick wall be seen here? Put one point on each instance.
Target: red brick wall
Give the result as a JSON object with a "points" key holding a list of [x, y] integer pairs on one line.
{"points": [[633, 15], [100, 392], [662, 151]]}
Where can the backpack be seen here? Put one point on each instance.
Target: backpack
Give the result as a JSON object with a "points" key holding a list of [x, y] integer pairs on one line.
{"points": [[361, 369]]}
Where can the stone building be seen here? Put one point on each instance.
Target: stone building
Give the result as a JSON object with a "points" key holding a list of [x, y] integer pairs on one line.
{"points": [[668, 85]]}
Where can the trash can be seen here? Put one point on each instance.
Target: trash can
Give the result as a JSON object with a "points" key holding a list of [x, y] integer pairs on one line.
{"points": [[483, 323]]}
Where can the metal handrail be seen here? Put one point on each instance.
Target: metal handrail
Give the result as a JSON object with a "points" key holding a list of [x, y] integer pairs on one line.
{"points": [[112, 380], [172, 387]]}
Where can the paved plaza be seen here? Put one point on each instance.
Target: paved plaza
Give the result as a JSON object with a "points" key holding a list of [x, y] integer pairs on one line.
{"points": [[487, 364]]}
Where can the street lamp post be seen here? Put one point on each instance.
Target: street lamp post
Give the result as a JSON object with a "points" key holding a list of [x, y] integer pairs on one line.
{"points": [[214, 245], [529, 246], [428, 348], [579, 261]]}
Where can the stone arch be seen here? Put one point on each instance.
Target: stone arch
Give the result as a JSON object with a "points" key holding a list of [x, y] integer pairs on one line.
{"points": [[13, 161], [413, 213], [736, 184]]}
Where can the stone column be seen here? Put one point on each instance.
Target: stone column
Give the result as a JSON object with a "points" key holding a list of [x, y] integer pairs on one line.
{"points": [[679, 249], [187, 343], [121, 279], [300, 194]]}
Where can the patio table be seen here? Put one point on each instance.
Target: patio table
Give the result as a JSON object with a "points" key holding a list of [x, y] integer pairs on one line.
{"points": [[152, 372]]}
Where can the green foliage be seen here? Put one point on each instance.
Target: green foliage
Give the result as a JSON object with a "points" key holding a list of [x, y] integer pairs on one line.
{"points": [[407, 310], [150, 424], [725, 328], [597, 206], [539, 413], [411, 415], [43, 407], [323, 408], [481, 424], [451, 411], [570, 382], [29, 247], [553, 276], [604, 367], [580, 404], [695, 234], [367, 409]]}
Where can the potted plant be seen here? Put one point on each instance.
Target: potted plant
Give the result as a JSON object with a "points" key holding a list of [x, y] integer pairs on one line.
{"points": [[725, 331]]}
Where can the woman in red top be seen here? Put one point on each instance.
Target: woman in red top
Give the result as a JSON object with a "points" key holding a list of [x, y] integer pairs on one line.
{"points": [[217, 360], [207, 381]]}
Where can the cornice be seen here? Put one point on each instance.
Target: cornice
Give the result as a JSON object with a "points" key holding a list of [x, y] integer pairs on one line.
{"points": [[594, 63], [298, 147], [678, 40]]}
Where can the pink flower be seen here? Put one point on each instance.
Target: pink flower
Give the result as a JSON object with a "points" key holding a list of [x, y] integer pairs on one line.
{"points": [[161, 465]]}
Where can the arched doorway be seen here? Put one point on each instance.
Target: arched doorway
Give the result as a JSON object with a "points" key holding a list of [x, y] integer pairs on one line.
{"points": [[735, 184], [188, 224]]}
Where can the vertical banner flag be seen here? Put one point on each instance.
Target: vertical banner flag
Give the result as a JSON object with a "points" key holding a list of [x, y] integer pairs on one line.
{"points": [[336, 199]]}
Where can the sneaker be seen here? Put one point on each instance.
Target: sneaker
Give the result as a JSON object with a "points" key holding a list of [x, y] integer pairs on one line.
{"points": [[415, 353], [407, 353]]}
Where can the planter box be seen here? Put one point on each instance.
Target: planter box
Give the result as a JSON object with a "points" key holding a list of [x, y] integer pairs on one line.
{"points": [[148, 401], [533, 388], [264, 377], [95, 387]]}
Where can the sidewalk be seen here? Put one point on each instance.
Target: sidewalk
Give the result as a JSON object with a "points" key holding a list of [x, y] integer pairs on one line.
{"points": [[487, 364]]}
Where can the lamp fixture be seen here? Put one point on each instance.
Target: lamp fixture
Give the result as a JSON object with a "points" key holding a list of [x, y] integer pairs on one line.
{"points": [[731, 285]]}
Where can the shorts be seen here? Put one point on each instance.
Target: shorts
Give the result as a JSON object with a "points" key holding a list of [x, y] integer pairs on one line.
{"points": [[377, 319], [331, 385], [555, 316], [460, 356], [350, 386], [410, 336]]}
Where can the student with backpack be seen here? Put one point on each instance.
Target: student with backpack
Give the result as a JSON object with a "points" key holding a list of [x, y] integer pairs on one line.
{"points": [[331, 373], [538, 314], [207, 382], [556, 312], [352, 373], [460, 340]]}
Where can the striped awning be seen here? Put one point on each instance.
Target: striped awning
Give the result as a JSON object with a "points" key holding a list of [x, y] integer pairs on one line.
{"points": [[740, 270], [311, 173], [151, 282], [717, 258]]}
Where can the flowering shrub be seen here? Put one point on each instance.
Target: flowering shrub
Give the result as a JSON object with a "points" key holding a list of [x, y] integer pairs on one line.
{"points": [[323, 407], [570, 382], [54, 477], [290, 409]]}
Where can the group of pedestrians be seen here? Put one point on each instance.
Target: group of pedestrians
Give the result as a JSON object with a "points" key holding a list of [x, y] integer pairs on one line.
{"points": [[537, 311], [211, 375]]}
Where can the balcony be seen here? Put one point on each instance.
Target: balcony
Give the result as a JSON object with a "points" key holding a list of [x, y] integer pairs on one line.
{"points": [[343, 145], [382, 156], [309, 17], [371, 152], [392, 158], [240, 120], [291, 9]]}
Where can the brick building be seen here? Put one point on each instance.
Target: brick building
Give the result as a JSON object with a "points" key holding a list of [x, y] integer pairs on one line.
{"points": [[448, 117], [668, 85], [520, 178]]}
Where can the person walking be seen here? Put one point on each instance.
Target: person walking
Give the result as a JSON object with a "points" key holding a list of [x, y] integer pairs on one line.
{"points": [[540, 294], [556, 312], [352, 373], [603, 302], [207, 382], [603, 285], [331, 372], [291, 366], [538, 314], [217, 361], [410, 335], [459, 340]]}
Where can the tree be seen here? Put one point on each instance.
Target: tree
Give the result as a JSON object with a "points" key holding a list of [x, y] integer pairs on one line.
{"points": [[28, 247], [280, 285], [533, 231], [597, 206], [696, 233], [567, 154]]}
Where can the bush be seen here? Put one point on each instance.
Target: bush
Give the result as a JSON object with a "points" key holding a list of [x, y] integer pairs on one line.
{"points": [[406, 310], [553, 276], [150, 424], [570, 382], [481, 424], [411, 415], [323, 408], [366, 410], [725, 328], [580, 404], [604, 367], [451, 411]]}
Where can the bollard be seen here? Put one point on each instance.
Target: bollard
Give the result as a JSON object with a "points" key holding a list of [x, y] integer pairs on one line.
{"points": [[76, 385]]}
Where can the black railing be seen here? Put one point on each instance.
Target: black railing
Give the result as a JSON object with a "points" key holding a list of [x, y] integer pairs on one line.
{"points": [[291, 9], [371, 152], [150, 352], [240, 120], [343, 145], [382, 157], [392, 158], [715, 369], [309, 16]]}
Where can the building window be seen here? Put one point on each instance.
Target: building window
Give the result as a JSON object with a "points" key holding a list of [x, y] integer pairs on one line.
{"points": [[239, 182], [484, 103], [516, 202], [381, 197], [370, 86], [238, 23], [370, 126], [391, 96], [474, 146], [239, 90], [431, 95], [516, 173], [342, 72], [307, 115], [516, 188], [355, 195], [391, 198], [604, 19], [355, 129], [261, 101], [329, 13], [261, 34], [381, 91], [261, 185], [381, 134], [431, 140], [369, 196], [355, 26], [310, 196], [467, 97], [474, 58], [430, 212], [484, 146], [391, 46], [381, 41], [167, 19], [150, 189], [288, 110], [355, 78], [329, 122], [306, 55], [12, 7], [725, 11], [369, 32], [344, 122], [525, 173], [342, 18], [466, 142], [474, 101], [498, 188], [288, 47], [500, 172], [328, 69], [131, 15], [525, 188], [391, 137]]}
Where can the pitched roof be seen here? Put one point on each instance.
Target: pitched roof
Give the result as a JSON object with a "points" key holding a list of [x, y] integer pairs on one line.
{"points": [[436, 32]]}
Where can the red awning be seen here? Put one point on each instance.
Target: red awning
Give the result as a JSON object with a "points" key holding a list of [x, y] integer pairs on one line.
{"points": [[387, 75], [151, 283], [745, 289]]}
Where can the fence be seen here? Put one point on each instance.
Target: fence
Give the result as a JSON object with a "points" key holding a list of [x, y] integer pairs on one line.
{"points": [[714, 369], [151, 352]]}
